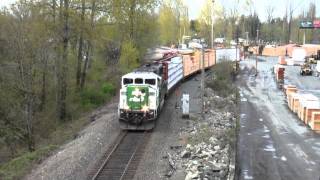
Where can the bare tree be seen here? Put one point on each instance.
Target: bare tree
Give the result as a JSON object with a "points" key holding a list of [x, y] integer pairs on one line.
{"points": [[270, 11], [44, 56], [89, 50], [62, 77], [289, 23], [81, 41], [312, 16]]}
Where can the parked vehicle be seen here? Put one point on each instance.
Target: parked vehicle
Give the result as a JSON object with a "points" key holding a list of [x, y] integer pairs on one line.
{"points": [[306, 69]]}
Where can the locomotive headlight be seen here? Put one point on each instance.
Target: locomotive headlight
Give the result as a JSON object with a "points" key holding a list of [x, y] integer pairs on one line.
{"points": [[145, 108]]}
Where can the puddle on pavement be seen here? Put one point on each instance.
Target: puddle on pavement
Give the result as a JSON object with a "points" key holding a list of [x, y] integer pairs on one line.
{"points": [[269, 148], [283, 158], [246, 175], [244, 99], [243, 116], [265, 129], [267, 136]]}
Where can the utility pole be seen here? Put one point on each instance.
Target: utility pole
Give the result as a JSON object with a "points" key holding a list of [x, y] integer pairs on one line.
{"points": [[202, 81], [212, 25], [304, 36], [257, 42], [237, 38], [247, 36], [257, 36]]}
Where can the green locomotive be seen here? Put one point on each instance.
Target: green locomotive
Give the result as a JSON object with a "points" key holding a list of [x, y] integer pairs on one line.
{"points": [[141, 98]]}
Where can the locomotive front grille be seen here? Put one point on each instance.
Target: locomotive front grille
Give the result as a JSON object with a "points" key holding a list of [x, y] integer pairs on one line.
{"points": [[136, 117]]}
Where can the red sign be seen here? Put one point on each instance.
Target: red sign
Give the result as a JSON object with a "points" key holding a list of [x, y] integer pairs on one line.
{"points": [[316, 23]]}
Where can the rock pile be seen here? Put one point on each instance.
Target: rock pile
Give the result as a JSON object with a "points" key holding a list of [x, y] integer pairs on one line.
{"points": [[209, 152]]}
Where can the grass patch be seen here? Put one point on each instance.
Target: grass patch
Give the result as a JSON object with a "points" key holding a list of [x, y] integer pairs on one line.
{"points": [[18, 167]]}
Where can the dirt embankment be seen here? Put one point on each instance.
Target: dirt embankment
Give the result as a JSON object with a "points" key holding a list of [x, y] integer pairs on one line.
{"points": [[75, 159]]}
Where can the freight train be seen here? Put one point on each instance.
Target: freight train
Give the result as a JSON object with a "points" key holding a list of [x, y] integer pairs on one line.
{"points": [[143, 91]]}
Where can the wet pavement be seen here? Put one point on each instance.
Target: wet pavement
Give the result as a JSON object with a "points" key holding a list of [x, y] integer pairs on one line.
{"points": [[273, 143]]}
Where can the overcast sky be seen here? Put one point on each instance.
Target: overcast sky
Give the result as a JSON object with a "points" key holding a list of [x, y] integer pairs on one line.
{"points": [[260, 6], [6, 2], [195, 6]]}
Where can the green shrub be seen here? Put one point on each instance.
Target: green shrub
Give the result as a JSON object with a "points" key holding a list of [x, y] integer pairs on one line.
{"points": [[108, 88], [129, 58], [94, 97], [91, 98], [222, 81]]}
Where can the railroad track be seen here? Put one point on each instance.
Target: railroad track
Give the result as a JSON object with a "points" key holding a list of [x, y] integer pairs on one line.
{"points": [[122, 159]]}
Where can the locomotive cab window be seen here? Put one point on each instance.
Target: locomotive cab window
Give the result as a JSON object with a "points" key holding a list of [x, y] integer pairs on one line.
{"points": [[127, 81], [138, 81], [150, 81]]}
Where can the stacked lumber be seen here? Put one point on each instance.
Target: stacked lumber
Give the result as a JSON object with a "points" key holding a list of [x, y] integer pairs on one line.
{"points": [[315, 121], [269, 51], [306, 101], [309, 111], [282, 60], [289, 48], [295, 103], [306, 106], [294, 100], [290, 89], [274, 51], [311, 49], [280, 51]]}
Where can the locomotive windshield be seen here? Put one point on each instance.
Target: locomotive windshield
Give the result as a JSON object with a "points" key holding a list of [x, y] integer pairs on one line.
{"points": [[127, 81], [138, 81], [150, 81]]}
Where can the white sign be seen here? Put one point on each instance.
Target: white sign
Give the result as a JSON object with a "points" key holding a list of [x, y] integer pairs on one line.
{"points": [[185, 105]]}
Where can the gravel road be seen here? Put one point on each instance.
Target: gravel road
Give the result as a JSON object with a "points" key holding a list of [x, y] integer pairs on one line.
{"points": [[273, 143]]}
